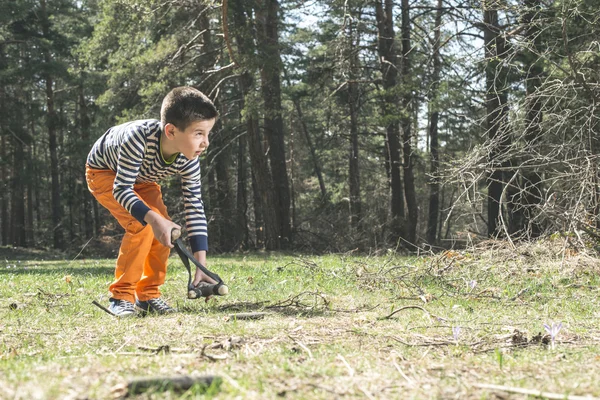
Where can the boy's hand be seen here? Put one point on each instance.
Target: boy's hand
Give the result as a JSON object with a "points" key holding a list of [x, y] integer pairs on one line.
{"points": [[161, 227], [201, 276]]}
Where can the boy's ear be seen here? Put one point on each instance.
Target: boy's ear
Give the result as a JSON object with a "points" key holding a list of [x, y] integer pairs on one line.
{"points": [[170, 130]]}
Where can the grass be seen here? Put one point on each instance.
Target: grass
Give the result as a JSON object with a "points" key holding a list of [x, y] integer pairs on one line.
{"points": [[337, 326]]}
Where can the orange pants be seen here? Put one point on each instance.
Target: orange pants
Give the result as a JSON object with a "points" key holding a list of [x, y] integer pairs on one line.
{"points": [[142, 260]]}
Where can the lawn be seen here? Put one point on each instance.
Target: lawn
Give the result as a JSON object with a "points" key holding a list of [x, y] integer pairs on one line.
{"points": [[444, 326]]}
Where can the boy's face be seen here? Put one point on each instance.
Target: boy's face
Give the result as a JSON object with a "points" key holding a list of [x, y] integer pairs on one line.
{"points": [[193, 141]]}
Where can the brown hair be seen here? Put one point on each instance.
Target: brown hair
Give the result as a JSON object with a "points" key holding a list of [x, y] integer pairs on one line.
{"points": [[184, 105]]}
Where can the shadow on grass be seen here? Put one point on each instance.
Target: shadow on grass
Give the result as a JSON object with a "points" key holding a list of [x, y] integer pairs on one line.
{"points": [[10, 253], [280, 312], [260, 307], [58, 270]]}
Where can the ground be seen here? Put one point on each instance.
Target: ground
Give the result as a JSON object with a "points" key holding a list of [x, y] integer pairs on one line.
{"points": [[444, 326]]}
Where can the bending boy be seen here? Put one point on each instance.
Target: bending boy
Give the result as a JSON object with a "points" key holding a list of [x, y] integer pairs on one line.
{"points": [[121, 172]]}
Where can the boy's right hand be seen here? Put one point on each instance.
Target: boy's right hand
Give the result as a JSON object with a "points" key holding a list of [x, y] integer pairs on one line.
{"points": [[161, 227]]}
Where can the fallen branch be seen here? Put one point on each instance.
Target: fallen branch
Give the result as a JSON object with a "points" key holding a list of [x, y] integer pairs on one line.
{"points": [[249, 315], [534, 392], [212, 357], [407, 308], [243, 305], [295, 301], [175, 383]]}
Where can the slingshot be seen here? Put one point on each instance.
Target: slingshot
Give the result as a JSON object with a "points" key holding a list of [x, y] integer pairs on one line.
{"points": [[203, 289]]}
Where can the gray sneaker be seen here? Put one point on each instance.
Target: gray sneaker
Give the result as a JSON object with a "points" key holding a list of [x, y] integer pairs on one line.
{"points": [[158, 306], [121, 308]]}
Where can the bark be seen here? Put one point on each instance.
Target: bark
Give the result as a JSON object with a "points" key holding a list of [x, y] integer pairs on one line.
{"points": [[31, 173], [86, 196], [4, 229], [406, 125], [51, 123], [264, 187], [388, 61], [223, 204], [497, 110], [353, 165], [241, 232], [4, 223], [97, 219], [259, 225], [434, 186], [532, 181], [18, 234], [268, 45], [29, 228], [265, 203]]}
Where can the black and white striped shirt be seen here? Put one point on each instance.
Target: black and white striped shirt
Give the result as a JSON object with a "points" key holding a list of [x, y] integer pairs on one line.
{"points": [[132, 150]]}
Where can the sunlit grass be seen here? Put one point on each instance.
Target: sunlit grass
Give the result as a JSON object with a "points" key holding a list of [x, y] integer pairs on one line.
{"points": [[325, 335]]}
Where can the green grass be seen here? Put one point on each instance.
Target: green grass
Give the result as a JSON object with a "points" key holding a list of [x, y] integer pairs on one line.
{"points": [[326, 335]]}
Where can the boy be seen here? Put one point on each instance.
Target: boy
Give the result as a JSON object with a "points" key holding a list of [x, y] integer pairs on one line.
{"points": [[121, 172]]}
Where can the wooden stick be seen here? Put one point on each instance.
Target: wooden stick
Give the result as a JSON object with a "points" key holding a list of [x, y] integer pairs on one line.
{"points": [[250, 315], [100, 306], [408, 308], [175, 383], [533, 392]]}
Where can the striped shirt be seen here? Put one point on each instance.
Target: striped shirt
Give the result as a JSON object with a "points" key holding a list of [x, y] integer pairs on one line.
{"points": [[132, 150]]}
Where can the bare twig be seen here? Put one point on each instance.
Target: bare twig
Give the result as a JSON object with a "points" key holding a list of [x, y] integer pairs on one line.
{"points": [[533, 392], [406, 308]]}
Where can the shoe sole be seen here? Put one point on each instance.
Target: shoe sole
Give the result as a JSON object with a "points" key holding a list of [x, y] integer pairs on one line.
{"points": [[151, 311], [124, 315]]}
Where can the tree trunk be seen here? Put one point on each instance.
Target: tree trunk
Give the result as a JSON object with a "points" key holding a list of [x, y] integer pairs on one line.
{"points": [[434, 186], [265, 204], [29, 228], [354, 169], [497, 111], [406, 124], [267, 20], [84, 124], [57, 212], [30, 173], [4, 225], [223, 195], [241, 231], [264, 188], [532, 181], [388, 60], [18, 234]]}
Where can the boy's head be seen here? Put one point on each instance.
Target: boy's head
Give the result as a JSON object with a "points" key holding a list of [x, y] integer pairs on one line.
{"points": [[185, 105]]}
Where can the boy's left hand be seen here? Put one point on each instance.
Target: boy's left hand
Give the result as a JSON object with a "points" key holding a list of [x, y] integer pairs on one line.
{"points": [[162, 227], [201, 276]]}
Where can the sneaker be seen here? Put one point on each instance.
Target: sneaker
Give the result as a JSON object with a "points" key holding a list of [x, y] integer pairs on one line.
{"points": [[157, 305], [121, 308]]}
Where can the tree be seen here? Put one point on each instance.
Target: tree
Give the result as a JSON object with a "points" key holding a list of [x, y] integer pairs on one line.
{"points": [[434, 115], [384, 12], [265, 202], [496, 108], [267, 20], [406, 126], [353, 94]]}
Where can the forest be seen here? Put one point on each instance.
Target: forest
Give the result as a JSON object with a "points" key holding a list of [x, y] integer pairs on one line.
{"points": [[344, 125]]}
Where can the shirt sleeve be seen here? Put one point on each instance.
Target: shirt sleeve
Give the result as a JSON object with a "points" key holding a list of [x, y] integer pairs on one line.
{"points": [[131, 155], [193, 206]]}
